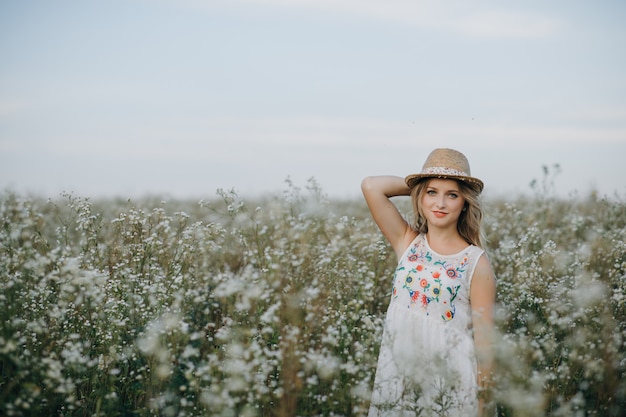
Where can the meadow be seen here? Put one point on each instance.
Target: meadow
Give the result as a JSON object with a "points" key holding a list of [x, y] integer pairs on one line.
{"points": [[274, 306]]}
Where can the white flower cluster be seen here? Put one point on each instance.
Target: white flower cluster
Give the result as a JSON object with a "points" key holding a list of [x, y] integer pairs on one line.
{"points": [[275, 307]]}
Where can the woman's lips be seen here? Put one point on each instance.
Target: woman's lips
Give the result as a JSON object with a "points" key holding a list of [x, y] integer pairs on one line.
{"points": [[439, 213]]}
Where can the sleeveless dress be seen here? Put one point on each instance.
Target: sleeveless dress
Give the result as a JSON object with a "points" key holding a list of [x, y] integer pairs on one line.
{"points": [[427, 365]]}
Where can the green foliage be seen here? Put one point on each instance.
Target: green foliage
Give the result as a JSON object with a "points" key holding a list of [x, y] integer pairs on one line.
{"points": [[275, 307]]}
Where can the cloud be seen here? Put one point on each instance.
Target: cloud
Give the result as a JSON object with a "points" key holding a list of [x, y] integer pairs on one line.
{"points": [[227, 152], [454, 16], [241, 137], [506, 24], [10, 108], [357, 132]]}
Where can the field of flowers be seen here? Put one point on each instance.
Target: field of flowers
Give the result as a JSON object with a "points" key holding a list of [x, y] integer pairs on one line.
{"points": [[274, 307]]}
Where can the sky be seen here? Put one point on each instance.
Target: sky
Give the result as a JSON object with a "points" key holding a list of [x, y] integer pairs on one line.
{"points": [[180, 98]]}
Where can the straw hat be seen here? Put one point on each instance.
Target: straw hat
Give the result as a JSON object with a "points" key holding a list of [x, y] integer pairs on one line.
{"points": [[448, 164]]}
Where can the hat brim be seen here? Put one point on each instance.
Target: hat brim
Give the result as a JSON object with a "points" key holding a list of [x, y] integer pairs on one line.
{"points": [[412, 180]]}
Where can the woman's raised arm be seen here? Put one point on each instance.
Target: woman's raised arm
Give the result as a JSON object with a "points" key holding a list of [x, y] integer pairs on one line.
{"points": [[377, 192]]}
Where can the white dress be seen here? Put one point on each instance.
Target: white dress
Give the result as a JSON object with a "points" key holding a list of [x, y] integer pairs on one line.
{"points": [[427, 364]]}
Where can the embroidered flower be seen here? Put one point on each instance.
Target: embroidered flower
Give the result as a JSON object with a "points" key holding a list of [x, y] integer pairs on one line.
{"points": [[448, 315], [423, 283], [419, 267], [451, 273], [435, 291], [436, 274], [413, 257]]}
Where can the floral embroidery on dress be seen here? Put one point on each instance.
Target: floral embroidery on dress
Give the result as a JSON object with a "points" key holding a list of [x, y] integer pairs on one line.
{"points": [[429, 319], [431, 279]]}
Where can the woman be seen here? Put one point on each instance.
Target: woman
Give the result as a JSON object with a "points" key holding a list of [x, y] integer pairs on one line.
{"points": [[435, 354]]}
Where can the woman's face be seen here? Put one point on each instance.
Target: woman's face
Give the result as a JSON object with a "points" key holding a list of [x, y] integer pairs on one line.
{"points": [[442, 203]]}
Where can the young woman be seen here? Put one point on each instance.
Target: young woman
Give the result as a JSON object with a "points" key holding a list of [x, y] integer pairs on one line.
{"points": [[435, 356]]}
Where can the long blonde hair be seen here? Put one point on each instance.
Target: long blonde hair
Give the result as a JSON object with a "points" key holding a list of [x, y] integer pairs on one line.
{"points": [[469, 224]]}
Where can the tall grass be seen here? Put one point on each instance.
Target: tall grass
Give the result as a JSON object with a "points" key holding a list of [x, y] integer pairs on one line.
{"points": [[274, 307]]}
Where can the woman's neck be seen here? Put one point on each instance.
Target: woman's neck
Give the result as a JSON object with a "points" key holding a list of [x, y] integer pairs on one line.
{"points": [[445, 241]]}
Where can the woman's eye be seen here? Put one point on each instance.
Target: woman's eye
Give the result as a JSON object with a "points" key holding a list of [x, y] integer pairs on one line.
{"points": [[453, 195], [431, 192]]}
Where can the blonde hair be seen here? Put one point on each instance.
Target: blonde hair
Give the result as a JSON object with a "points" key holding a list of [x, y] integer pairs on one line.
{"points": [[469, 224]]}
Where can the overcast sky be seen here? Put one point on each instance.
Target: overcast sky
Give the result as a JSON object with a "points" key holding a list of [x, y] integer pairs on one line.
{"points": [[182, 97]]}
